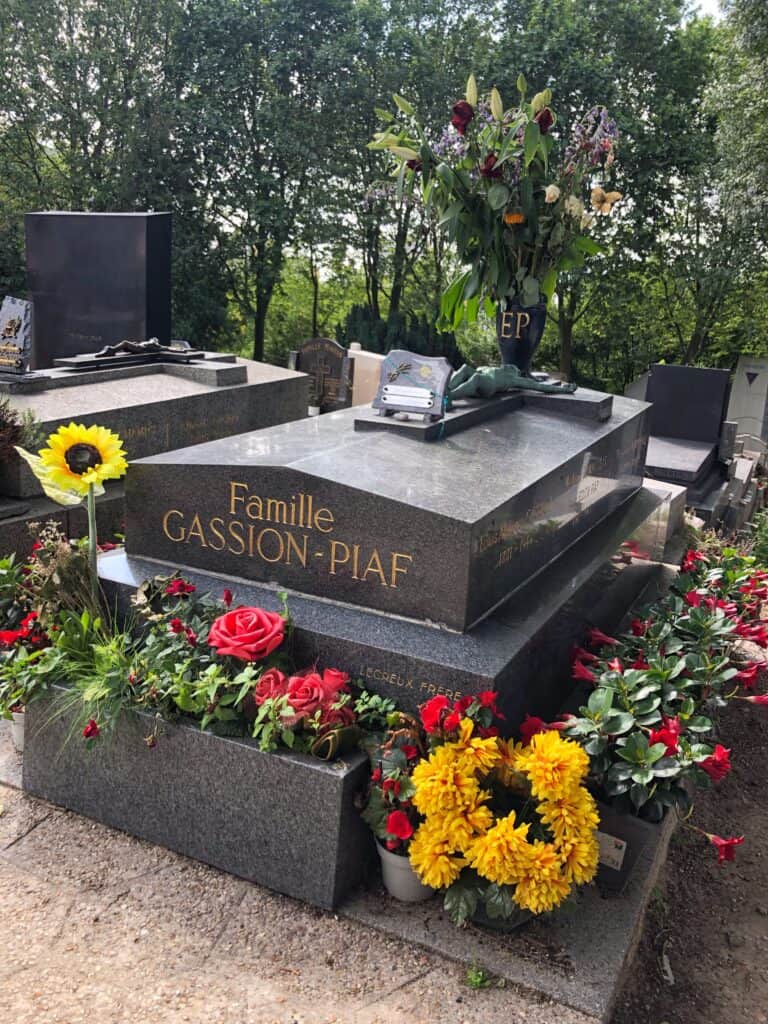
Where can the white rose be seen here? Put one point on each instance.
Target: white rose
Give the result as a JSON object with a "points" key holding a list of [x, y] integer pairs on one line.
{"points": [[587, 220], [551, 194], [574, 206]]}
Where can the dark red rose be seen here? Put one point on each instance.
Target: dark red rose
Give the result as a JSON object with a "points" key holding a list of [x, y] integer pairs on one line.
{"points": [[91, 731], [227, 597], [376, 775], [718, 764], [250, 634], [432, 713], [488, 168], [462, 115], [191, 637], [399, 825], [176, 626], [334, 716], [544, 119]]}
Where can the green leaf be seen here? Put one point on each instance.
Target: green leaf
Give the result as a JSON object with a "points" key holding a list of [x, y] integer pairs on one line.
{"points": [[531, 141], [383, 115], [498, 195], [638, 794], [549, 283], [666, 768], [530, 291], [498, 901], [616, 724], [642, 776], [460, 901], [655, 752]]}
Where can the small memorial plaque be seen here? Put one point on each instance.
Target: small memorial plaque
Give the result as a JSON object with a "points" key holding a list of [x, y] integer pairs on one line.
{"points": [[15, 335], [331, 370], [411, 383]]}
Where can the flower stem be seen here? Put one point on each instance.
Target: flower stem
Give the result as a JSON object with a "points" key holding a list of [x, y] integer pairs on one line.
{"points": [[92, 546]]}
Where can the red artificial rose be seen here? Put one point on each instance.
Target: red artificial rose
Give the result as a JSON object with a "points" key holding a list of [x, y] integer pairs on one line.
{"points": [[250, 634], [91, 730], [530, 727], [191, 637], [334, 681], [272, 683], [718, 764], [176, 626], [305, 695], [725, 847], [227, 597], [180, 588], [545, 119], [581, 671], [462, 115], [336, 716], [432, 711], [597, 638], [399, 825]]}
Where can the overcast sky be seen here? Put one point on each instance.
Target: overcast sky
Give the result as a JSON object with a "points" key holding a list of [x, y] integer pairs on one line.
{"points": [[710, 7]]}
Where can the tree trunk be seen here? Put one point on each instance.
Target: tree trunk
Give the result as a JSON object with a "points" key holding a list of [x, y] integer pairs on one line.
{"points": [[259, 324]]}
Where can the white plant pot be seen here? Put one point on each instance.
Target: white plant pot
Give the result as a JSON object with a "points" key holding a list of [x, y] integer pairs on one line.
{"points": [[400, 880], [17, 730], [313, 410]]}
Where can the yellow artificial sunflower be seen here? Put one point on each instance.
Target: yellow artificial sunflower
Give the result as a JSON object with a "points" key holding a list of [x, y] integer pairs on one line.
{"points": [[554, 766], [603, 201], [76, 458]]}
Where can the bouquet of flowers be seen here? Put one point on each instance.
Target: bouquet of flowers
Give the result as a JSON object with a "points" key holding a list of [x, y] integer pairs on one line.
{"points": [[507, 825], [389, 809], [517, 212]]}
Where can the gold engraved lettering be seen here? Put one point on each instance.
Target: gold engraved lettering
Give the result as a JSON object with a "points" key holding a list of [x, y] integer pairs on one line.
{"points": [[166, 517]]}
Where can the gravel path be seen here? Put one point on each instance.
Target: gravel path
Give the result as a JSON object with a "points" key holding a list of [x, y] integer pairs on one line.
{"points": [[98, 926]]}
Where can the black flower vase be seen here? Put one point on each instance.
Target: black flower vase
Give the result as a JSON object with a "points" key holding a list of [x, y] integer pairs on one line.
{"points": [[519, 330]]}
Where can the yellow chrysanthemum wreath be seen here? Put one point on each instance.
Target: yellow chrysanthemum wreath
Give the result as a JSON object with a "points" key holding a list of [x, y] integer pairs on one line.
{"points": [[460, 830]]}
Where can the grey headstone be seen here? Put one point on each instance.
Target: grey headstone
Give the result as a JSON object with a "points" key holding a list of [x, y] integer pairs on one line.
{"points": [[15, 336], [748, 406], [411, 383], [97, 279], [331, 372]]}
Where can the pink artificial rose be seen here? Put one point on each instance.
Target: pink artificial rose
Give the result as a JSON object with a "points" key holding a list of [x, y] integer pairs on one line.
{"points": [[250, 634]]}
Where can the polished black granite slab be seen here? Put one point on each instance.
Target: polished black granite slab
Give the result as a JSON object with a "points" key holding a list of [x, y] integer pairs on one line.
{"points": [[440, 532], [520, 650]]}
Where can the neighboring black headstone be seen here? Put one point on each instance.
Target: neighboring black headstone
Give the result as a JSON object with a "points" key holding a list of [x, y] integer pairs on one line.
{"points": [[413, 384], [15, 335], [689, 402], [331, 370], [96, 279]]}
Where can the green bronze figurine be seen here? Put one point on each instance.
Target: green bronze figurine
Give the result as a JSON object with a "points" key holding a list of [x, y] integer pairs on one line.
{"points": [[487, 381]]}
